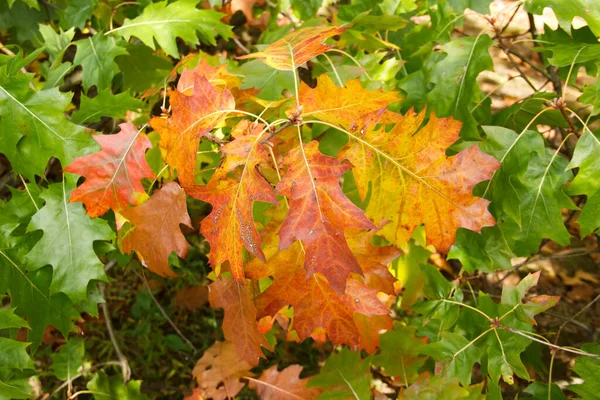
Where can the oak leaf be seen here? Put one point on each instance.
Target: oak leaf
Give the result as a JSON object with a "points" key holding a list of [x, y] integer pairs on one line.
{"points": [[341, 106], [218, 372], [405, 169], [319, 213], [283, 385], [296, 48], [318, 308], [195, 112], [113, 175], [239, 322], [157, 231], [230, 226]]}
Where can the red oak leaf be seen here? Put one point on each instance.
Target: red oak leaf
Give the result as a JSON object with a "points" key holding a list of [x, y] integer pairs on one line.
{"points": [[296, 48], [283, 385], [113, 175], [195, 113], [230, 226], [239, 323], [157, 231], [319, 213]]}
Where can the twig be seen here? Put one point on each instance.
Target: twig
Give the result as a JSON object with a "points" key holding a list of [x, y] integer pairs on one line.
{"points": [[530, 63], [241, 46], [574, 351], [125, 370], [505, 27], [214, 139], [162, 310]]}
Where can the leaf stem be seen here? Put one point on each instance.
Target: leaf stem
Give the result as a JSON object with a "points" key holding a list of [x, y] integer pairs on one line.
{"points": [[467, 306], [472, 342], [29, 193], [334, 69]]}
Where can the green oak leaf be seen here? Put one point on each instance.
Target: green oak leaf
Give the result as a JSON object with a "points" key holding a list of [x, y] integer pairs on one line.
{"points": [[399, 354], [513, 296], [565, 11], [518, 116], [588, 369], [141, 69], [504, 360], [96, 56], [271, 82], [10, 390], [37, 128], [504, 348], [164, 23], [8, 319], [486, 251], [13, 354], [587, 180], [458, 355], [455, 78], [67, 361], [542, 199], [105, 387], [76, 13], [105, 104], [579, 47], [67, 243], [56, 43], [344, 375], [591, 95], [514, 153], [22, 20], [30, 294]]}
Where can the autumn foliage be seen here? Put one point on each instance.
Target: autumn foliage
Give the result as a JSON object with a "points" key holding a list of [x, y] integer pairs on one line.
{"points": [[297, 200], [320, 256]]}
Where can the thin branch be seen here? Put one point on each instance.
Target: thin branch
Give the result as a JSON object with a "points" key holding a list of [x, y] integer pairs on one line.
{"points": [[162, 310], [241, 46], [568, 350], [125, 370]]}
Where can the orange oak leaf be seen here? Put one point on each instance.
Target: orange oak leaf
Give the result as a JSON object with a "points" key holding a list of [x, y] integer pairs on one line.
{"points": [[157, 231], [319, 213], [230, 226], [283, 385], [341, 106], [239, 322], [195, 113], [405, 169], [296, 48], [113, 175], [219, 371], [317, 308]]}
